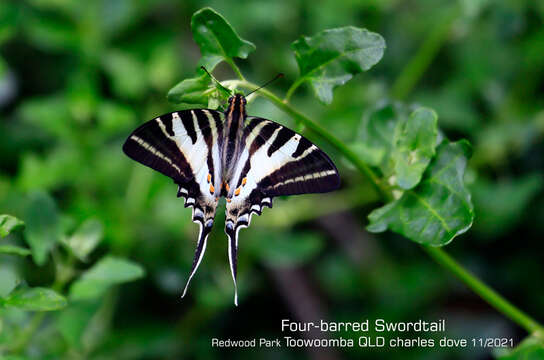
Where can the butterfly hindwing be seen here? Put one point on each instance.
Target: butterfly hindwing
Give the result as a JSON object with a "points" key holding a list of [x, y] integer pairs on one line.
{"points": [[184, 145]]}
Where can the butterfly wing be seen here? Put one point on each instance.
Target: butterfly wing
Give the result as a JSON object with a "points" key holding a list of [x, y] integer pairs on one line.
{"points": [[275, 161], [185, 145]]}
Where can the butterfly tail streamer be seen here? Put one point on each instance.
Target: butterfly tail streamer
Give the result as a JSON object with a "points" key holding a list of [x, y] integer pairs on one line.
{"points": [[232, 234], [199, 252]]}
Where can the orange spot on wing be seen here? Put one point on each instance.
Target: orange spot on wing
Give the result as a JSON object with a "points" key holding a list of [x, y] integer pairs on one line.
{"points": [[227, 187], [212, 189], [237, 192], [209, 177], [244, 181], [228, 200]]}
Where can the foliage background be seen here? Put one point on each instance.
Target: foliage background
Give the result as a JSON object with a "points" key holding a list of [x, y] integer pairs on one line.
{"points": [[77, 77]]}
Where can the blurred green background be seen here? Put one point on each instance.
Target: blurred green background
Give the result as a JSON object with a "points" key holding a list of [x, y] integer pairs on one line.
{"points": [[76, 77]]}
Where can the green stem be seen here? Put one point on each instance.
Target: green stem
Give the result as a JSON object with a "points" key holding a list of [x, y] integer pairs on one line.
{"points": [[236, 69], [485, 292], [292, 89], [415, 68]]}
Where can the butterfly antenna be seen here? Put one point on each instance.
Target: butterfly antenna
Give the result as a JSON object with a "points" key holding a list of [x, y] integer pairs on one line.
{"points": [[214, 79], [210, 75], [267, 83]]}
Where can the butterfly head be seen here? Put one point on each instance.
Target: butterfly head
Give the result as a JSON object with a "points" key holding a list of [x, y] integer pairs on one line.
{"points": [[237, 100], [237, 106]]}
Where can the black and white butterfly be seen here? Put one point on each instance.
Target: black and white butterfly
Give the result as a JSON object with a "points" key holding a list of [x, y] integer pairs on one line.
{"points": [[248, 160]]}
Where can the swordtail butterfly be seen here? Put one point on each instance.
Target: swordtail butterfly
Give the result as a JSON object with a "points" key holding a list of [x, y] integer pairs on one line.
{"points": [[248, 160]]}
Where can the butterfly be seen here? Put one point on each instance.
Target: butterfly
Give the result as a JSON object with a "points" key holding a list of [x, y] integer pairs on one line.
{"points": [[248, 160]]}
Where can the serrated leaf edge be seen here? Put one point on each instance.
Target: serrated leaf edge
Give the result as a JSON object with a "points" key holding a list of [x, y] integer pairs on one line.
{"points": [[373, 227]]}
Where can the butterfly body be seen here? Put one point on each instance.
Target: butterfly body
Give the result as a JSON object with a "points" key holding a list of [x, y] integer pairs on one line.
{"points": [[248, 160], [234, 124]]}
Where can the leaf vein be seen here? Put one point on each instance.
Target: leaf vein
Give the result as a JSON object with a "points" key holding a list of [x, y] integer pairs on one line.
{"points": [[432, 211]]}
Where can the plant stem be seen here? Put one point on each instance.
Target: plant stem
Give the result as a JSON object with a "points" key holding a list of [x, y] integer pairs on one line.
{"points": [[412, 72], [484, 291], [480, 288], [292, 89], [236, 69]]}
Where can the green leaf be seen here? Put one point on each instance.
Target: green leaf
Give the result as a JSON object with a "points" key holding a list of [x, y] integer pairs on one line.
{"points": [[35, 299], [163, 65], [191, 91], [9, 19], [50, 33], [439, 208], [14, 250], [60, 166], [126, 73], [15, 357], [333, 56], [377, 133], [74, 320], [369, 155], [114, 117], [105, 273], [200, 91], [9, 223], [531, 348], [49, 113], [218, 96], [401, 146], [8, 281], [85, 239], [217, 39], [415, 147], [42, 226], [471, 8]]}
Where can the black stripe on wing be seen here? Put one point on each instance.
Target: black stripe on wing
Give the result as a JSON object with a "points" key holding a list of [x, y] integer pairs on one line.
{"points": [[303, 169], [149, 146], [152, 145], [314, 173]]}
